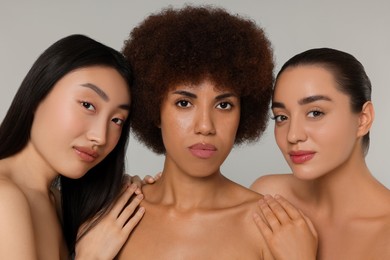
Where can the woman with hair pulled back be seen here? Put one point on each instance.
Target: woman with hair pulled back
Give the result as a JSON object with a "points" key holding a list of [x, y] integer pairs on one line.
{"points": [[323, 114], [203, 83], [67, 125]]}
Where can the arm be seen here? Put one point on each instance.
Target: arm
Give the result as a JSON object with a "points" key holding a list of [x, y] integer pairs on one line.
{"points": [[288, 232], [17, 232], [107, 237]]}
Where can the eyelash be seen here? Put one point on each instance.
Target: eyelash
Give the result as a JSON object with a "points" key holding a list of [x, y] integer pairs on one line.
{"points": [[316, 111], [180, 103], [280, 118], [86, 104], [115, 120], [228, 104], [277, 118]]}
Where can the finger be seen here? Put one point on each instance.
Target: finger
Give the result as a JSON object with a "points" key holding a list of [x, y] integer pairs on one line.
{"points": [[126, 179], [310, 224], [129, 226], [279, 212], [158, 176], [122, 200], [137, 181], [148, 180], [129, 210], [292, 212], [262, 226], [268, 215]]}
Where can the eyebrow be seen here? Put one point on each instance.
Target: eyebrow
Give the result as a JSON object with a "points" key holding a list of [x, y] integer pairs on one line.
{"points": [[98, 90], [303, 101], [103, 94], [192, 95]]}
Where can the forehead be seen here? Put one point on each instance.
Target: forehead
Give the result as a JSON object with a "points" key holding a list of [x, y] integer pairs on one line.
{"points": [[105, 79], [306, 80], [202, 84]]}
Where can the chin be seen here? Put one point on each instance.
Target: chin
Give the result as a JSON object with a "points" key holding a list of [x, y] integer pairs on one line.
{"points": [[304, 175]]}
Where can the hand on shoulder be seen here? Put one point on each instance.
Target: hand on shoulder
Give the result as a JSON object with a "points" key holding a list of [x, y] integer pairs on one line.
{"points": [[288, 232], [104, 239]]}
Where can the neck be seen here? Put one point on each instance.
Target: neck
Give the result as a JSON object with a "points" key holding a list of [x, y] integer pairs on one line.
{"points": [[345, 191], [184, 191]]}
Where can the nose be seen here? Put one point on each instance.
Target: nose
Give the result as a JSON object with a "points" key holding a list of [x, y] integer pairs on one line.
{"points": [[204, 123], [296, 131], [97, 133]]}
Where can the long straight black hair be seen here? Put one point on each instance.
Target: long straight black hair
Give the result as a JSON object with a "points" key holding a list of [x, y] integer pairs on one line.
{"points": [[91, 195]]}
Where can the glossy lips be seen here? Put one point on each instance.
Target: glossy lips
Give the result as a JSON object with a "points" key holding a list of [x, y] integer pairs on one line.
{"points": [[86, 154], [300, 157], [203, 151]]}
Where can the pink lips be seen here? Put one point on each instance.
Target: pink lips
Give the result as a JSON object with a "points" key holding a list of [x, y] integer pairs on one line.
{"points": [[203, 151], [300, 157], [86, 154]]}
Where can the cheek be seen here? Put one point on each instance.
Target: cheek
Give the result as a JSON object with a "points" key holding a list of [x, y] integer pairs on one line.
{"points": [[174, 126], [113, 136], [233, 126], [280, 137], [55, 120], [339, 130]]}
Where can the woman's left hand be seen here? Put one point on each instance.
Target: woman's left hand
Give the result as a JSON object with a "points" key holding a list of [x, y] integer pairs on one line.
{"points": [[287, 231]]}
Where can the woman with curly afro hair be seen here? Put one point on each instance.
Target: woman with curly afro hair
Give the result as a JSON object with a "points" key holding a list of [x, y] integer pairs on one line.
{"points": [[203, 83]]}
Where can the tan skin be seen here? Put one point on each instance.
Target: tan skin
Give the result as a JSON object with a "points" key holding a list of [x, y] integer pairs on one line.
{"points": [[349, 208], [193, 211], [80, 119]]}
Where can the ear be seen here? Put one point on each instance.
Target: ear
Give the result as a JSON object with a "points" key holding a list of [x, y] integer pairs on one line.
{"points": [[366, 118]]}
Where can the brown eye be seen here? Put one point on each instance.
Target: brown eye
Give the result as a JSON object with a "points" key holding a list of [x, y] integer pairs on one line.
{"points": [[315, 113], [87, 105], [183, 103], [118, 121], [279, 118], [224, 105]]}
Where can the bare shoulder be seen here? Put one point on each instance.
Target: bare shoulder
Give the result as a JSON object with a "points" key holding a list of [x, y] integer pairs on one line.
{"points": [[273, 184], [14, 206], [11, 194], [16, 239]]}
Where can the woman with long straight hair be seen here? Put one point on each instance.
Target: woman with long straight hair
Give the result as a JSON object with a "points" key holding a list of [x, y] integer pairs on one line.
{"points": [[68, 126]]}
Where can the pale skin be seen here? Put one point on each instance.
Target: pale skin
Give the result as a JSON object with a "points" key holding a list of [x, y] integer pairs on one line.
{"points": [[331, 184], [82, 112], [193, 211]]}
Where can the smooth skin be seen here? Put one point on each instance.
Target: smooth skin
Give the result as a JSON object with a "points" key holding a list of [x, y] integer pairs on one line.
{"points": [[74, 128], [109, 235], [193, 211], [320, 138]]}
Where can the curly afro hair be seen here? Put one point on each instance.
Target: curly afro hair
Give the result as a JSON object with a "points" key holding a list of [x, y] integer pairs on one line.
{"points": [[189, 45]]}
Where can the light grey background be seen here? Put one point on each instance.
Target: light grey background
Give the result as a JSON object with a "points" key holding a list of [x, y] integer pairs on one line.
{"points": [[359, 27]]}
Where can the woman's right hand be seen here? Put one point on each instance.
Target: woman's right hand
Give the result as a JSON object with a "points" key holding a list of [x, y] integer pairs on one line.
{"points": [[105, 239], [288, 232]]}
